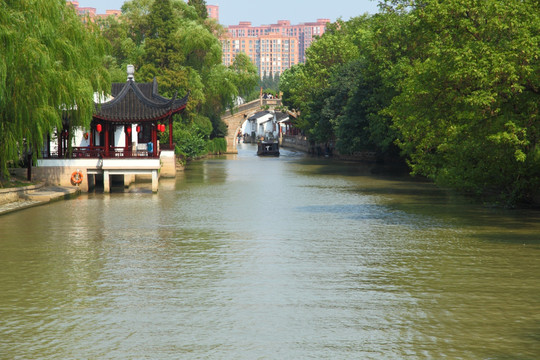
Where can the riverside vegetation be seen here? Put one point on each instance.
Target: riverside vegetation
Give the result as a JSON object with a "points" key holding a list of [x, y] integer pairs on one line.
{"points": [[451, 86], [52, 62]]}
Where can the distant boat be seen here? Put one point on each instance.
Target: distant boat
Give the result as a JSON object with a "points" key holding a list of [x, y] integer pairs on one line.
{"points": [[267, 147]]}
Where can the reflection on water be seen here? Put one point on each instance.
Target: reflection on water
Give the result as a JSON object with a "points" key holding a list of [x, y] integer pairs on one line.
{"points": [[244, 257]]}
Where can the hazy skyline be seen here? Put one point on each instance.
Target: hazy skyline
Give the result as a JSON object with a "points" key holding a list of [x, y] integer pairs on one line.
{"points": [[231, 12]]}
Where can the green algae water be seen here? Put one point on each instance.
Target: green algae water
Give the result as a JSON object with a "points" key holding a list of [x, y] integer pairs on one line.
{"points": [[243, 257]]}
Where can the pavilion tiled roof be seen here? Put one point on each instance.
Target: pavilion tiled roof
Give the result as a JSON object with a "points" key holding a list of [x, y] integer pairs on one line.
{"points": [[134, 102]]}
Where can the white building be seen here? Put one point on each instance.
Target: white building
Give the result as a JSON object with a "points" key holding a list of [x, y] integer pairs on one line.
{"points": [[264, 124]]}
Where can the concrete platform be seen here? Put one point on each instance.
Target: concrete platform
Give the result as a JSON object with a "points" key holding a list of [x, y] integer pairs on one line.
{"points": [[37, 196]]}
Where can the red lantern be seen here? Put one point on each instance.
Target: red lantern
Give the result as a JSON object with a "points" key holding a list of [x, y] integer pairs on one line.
{"points": [[138, 128], [98, 128], [128, 129], [161, 127]]}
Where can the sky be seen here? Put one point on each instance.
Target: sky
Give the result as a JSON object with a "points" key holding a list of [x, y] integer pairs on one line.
{"points": [[263, 12]]}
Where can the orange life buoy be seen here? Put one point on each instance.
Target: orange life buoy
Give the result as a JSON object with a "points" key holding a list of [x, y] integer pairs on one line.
{"points": [[76, 177]]}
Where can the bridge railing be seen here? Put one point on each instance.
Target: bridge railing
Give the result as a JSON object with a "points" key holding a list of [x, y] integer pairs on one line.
{"points": [[271, 102], [253, 105], [244, 107]]}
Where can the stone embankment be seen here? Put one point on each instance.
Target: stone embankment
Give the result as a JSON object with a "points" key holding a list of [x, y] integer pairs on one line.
{"points": [[301, 143], [19, 198]]}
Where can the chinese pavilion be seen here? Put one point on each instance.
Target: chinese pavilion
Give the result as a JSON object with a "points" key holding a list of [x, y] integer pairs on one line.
{"points": [[135, 107], [122, 140]]}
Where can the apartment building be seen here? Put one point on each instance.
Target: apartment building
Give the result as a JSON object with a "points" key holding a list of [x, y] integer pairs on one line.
{"points": [[272, 48], [92, 12], [213, 12], [271, 53]]}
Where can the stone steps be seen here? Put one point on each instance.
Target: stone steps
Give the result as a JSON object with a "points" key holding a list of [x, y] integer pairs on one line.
{"points": [[23, 198], [18, 205]]}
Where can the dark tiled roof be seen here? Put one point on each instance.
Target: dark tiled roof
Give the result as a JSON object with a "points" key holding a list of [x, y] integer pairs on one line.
{"points": [[258, 115], [135, 102], [281, 115]]}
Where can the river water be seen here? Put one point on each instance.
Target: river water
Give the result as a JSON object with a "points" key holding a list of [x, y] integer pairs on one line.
{"points": [[243, 257]]}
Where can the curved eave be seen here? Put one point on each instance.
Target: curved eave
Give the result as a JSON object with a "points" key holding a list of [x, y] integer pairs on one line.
{"points": [[137, 120], [132, 86]]}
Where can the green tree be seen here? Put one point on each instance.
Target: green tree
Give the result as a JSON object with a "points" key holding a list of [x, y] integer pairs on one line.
{"points": [[190, 140], [135, 18], [161, 51], [200, 7], [50, 62], [307, 87], [385, 43], [269, 83], [246, 77], [172, 41], [468, 108], [124, 48], [293, 83], [200, 47]]}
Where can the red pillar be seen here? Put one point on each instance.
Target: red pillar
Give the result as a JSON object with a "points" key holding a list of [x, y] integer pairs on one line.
{"points": [[107, 139], [127, 135], [170, 134], [154, 139]]}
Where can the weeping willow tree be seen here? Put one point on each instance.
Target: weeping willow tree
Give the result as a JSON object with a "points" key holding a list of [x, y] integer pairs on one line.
{"points": [[50, 62]]}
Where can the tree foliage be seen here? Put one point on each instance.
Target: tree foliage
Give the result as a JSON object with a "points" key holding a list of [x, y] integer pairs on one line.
{"points": [[468, 107], [269, 82], [176, 43], [200, 7], [455, 84], [245, 73], [50, 62]]}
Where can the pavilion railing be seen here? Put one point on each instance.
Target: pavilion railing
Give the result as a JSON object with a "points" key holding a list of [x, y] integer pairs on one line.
{"points": [[101, 153]]}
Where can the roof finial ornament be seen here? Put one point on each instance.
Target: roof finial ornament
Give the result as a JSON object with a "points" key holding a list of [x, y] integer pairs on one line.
{"points": [[131, 72]]}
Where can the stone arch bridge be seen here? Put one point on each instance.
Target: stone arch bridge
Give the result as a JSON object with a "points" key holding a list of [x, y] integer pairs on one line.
{"points": [[235, 120]]}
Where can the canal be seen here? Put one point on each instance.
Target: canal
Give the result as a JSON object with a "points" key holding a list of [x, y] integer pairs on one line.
{"points": [[243, 257]]}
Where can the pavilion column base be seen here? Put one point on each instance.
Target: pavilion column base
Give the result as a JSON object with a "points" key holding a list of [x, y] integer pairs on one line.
{"points": [[154, 181], [106, 182]]}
